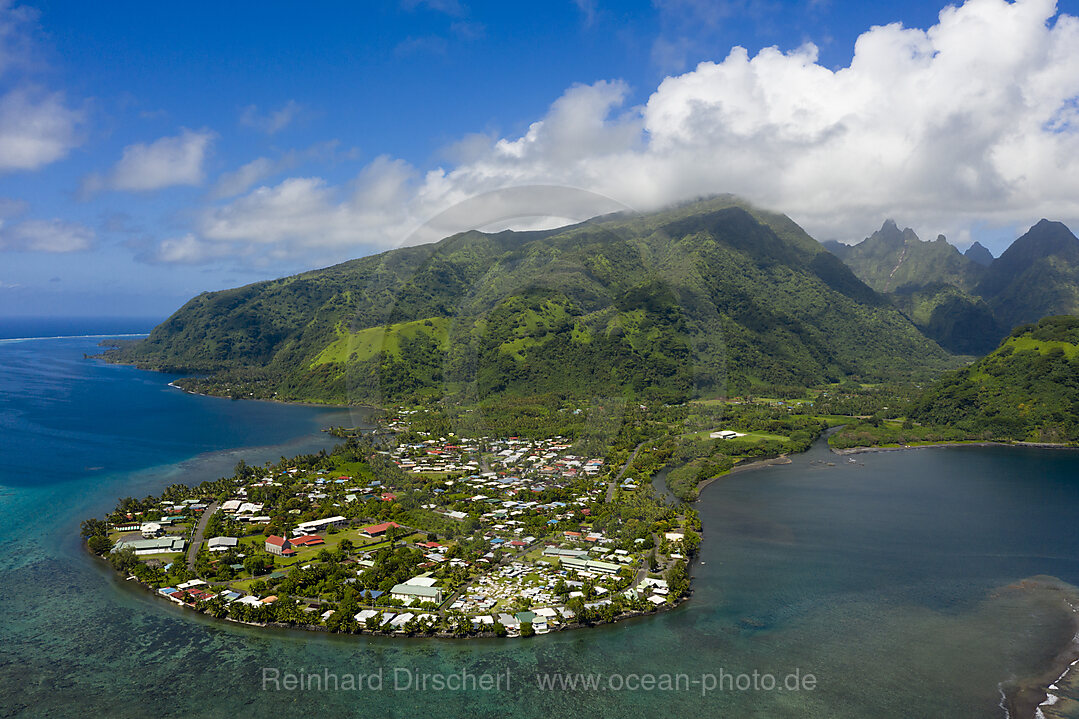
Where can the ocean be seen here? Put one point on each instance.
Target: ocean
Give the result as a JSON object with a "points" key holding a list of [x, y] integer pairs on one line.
{"points": [[899, 585]]}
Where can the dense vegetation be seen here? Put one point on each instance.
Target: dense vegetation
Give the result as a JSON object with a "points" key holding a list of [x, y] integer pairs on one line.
{"points": [[1028, 389], [708, 298]]}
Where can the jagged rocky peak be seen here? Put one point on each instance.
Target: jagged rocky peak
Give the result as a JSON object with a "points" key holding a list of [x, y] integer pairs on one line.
{"points": [[980, 254], [890, 234]]}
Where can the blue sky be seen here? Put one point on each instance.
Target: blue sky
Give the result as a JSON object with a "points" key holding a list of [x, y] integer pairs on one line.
{"points": [[149, 152]]}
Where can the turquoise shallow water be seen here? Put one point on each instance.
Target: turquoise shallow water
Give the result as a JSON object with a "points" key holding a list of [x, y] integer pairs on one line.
{"points": [[886, 579]]}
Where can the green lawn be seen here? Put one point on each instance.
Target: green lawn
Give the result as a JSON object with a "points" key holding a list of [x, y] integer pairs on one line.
{"points": [[1029, 343], [365, 344]]}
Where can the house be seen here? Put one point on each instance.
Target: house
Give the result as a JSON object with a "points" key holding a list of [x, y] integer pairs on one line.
{"points": [[377, 530], [151, 530], [157, 545], [603, 567], [424, 580], [307, 540], [222, 544], [409, 593], [319, 524], [725, 434], [279, 546], [560, 552], [577, 563]]}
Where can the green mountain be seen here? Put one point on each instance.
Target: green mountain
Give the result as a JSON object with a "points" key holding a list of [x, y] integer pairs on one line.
{"points": [[891, 258], [698, 299], [1028, 389], [1035, 277], [979, 254], [930, 282]]}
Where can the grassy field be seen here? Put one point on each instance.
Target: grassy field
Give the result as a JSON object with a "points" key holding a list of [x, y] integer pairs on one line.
{"points": [[1029, 343], [365, 344]]}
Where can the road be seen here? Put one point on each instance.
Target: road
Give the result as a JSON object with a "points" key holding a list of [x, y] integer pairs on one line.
{"points": [[625, 468], [196, 541]]}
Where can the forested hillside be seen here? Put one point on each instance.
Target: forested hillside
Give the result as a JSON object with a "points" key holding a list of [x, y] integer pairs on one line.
{"points": [[705, 298], [1028, 389]]}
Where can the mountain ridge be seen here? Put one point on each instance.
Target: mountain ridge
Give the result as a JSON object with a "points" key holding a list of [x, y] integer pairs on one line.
{"points": [[967, 302], [701, 298]]}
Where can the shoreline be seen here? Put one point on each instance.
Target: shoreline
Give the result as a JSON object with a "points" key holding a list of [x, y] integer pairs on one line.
{"points": [[1027, 697], [755, 464], [260, 399], [363, 631], [973, 443]]}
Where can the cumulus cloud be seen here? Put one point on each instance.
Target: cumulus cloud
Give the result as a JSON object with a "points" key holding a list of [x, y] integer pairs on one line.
{"points": [[307, 211], [54, 236], [36, 128], [242, 178], [163, 163], [273, 121], [185, 250], [238, 181], [974, 120]]}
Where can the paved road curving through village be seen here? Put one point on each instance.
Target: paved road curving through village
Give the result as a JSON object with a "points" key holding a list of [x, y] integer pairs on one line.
{"points": [[196, 541]]}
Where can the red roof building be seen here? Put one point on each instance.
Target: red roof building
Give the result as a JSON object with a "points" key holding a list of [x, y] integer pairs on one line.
{"points": [[307, 540], [377, 530], [279, 546]]}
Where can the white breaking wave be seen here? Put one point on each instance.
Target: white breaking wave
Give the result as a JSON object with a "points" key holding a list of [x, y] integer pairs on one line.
{"points": [[70, 337]]}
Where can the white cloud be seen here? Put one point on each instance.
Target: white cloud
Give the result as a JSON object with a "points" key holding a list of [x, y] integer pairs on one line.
{"points": [[449, 7], [306, 211], [974, 121], [36, 125], [185, 250], [166, 162], [271, 122], [36, 128], [242, 178], [54, 236], [588, 10]]}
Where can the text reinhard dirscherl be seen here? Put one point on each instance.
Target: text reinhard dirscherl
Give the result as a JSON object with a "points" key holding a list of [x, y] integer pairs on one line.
{"points": [[276, 679]]}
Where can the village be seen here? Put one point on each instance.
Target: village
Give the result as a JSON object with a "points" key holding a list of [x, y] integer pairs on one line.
{"points": [[450, 536]]}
